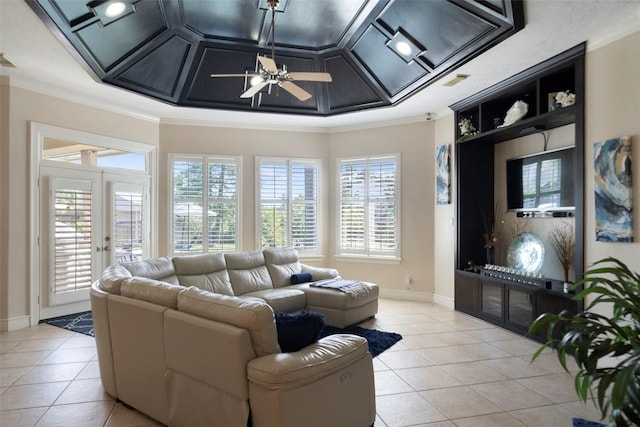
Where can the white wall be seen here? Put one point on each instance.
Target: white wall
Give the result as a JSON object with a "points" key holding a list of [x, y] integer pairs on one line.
{"points": [[416, 145], [612, 110], [25, 107]]}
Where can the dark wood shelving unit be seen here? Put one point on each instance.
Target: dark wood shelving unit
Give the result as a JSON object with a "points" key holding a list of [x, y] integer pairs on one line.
{"points": [[475, 182]]}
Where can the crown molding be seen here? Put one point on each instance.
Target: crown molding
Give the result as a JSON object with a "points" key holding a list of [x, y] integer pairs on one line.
{"points": [[623, 30]]}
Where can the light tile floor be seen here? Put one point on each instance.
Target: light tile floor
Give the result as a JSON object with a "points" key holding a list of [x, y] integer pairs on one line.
{"points": [[450, 369]]}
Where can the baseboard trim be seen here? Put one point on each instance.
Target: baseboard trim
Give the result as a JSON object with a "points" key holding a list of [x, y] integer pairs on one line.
{"points": [[444, 301], [418, 296], [406, 295], [14, 323]]}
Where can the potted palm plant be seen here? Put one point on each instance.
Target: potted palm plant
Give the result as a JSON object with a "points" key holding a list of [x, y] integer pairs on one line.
{"points": [[606, 349]]}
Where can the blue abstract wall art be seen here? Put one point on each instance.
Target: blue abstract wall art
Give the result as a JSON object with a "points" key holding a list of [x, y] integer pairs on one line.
{"points": [[443, 175], [613, 191]]}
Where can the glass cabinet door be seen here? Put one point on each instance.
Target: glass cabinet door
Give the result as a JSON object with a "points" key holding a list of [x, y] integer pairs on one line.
{"points": [[520, 307], [491, 299]]}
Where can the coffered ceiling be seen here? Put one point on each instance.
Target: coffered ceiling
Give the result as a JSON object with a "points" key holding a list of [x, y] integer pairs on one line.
{"points": [[167, 49], [48, 64]]}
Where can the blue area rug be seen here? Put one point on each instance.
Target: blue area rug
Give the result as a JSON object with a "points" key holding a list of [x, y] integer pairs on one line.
{"points": [[379, 341], [79, 322]]}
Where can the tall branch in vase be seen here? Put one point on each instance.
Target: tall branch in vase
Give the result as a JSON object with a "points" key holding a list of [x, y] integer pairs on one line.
{"points": [[562, 239], [490, 233]]}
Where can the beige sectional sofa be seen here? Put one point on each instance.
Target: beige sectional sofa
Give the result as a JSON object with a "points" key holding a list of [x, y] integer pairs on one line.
{"points": [[192, 341]]}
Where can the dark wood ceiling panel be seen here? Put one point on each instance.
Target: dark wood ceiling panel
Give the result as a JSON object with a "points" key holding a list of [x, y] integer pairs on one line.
{"points": [[238, 20], [350, 89], [441, 27], [111, 43], [495, 5], [205, 89], [159, 70], [393, 72], [72, 10], [168, 48], [315, 25]]}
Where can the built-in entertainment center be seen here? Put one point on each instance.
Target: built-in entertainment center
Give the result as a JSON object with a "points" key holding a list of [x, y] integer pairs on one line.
{"points": [[506, 292]]}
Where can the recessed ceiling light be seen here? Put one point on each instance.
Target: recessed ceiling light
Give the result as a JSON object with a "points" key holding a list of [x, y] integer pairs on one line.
{"points": [[403, 48], [115, 9]]}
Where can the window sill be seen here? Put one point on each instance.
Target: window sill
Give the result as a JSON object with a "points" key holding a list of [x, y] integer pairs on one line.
{"points": [[368, 259]]}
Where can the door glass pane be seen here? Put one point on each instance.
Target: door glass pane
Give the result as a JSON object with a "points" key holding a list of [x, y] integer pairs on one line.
{"points": [[128, 231], [72, 240]]}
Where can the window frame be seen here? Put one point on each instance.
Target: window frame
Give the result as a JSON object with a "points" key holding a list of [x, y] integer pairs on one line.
{"points": [[369, 253], [205, 160], [259, 160]]}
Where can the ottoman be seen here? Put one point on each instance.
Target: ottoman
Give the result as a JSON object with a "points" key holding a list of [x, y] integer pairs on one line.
{"points": [[339, 308]]}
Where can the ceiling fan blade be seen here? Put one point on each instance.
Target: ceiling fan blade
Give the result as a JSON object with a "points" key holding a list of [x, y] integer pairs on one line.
{"points": [[268, 64], [253, 90], [295, 90], [310, 77], [234, 75]]}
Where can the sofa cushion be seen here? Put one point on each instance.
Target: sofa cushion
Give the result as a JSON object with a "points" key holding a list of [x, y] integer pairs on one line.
{"points": [[298, 330], [151, 290], [154, 268], [282, 264], [247, 272], [335, 299], [113, 277], [281, 299], [253, 315], [204, 271]]}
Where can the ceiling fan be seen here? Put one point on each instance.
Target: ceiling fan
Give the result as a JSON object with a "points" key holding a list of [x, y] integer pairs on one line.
{"points": [[270, 74]]}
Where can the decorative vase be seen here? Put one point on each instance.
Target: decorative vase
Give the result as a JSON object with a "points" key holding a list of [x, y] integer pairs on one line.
{"points": [[491, 255]]}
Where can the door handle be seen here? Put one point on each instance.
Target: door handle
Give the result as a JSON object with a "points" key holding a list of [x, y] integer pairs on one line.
{"points": [[106, 248]]}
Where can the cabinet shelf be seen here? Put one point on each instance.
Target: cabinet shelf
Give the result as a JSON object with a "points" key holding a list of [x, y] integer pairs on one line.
{"points": [[475, 176], [541, 122]]}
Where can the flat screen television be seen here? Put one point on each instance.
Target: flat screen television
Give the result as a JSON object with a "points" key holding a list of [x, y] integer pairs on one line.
{"points": [[541, 182]]}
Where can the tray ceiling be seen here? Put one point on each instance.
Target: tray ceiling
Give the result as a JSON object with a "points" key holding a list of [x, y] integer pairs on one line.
{"points": [[168, 49]]}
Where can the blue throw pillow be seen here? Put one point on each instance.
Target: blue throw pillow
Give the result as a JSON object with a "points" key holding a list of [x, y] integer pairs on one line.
{"points": [[298, 330], [300, 278]]}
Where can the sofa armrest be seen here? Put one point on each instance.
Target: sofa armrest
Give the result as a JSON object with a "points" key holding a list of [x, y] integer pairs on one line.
{"points": [[315, 361], [320, 273]]}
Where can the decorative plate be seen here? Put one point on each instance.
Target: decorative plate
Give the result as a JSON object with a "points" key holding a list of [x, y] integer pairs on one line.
{"points": [[526, 252]]}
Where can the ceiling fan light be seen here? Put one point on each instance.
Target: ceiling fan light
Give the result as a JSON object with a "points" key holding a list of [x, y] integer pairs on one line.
{"points": [[115, 9], [256, 80]]}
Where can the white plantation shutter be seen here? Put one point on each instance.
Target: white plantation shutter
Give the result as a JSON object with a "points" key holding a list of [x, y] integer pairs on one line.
{"points": [[222, 205], [368, 207], [205, 204], [72, 252], [288, 203], [382, 207], [128, 227], [352, 207], [304, 205]]}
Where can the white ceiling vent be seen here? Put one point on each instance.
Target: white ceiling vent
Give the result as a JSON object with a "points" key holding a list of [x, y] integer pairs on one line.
{"points": [[5, 61]]}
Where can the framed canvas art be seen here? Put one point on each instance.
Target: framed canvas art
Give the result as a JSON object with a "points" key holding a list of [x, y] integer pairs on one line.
{"points": [[443, 175], [613, 195]]}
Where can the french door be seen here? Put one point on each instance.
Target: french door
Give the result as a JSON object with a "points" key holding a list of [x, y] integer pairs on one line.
{"points": [[89, 219]]}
